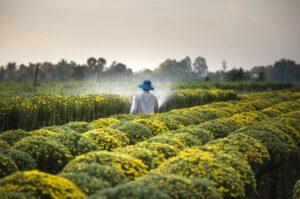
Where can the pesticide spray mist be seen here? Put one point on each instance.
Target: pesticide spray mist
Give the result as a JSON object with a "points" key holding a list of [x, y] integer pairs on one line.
{"points": [[125, 88]]}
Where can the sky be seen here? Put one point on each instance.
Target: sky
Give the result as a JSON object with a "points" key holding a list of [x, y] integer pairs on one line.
{"points": [[143, 33]]}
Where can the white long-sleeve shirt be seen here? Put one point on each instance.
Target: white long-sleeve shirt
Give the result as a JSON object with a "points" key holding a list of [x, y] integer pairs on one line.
{"points": [[144, 103]]}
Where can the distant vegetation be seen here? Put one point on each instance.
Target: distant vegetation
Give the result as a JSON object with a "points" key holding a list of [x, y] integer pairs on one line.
{"points": [[96, 69]]}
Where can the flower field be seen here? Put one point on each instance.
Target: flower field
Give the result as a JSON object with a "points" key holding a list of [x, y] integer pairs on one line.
{"points": [[31, 112], [247, 148]]}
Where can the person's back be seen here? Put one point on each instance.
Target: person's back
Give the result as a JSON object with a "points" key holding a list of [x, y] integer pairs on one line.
{"points": [[145, 102]]}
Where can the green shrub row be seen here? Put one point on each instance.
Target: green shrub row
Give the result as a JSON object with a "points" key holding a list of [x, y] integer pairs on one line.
{"points": [[52, 151], [31, 112], [229, 164]]}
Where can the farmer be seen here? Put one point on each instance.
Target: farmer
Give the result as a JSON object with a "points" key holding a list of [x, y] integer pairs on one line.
{"points": [[145, 102]]}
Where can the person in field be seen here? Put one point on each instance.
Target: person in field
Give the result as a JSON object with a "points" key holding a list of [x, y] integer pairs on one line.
{"points": [[145, 102]]}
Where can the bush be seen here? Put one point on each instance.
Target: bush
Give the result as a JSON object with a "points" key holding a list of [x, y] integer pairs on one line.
{"points": [[79, 127], [4, 145], [217, 129], [229, 123], [22, 160], [279, 145], [40, 185], [123, 117], [59, 129], [75, 143], [192, 115], [170, 123], [164, 139], [198, 163], [131, 190], [271, 112], [164, 149], [156, 127], [185, 138], [14, 195], [247, 118], [107, 138], [103, 122], [179, 187], [129, 166], [294, 114], [135, 132], [247, 147], [13, 136], [49, 155], [183, 120], [241, 165], [150, 158], [202, 135], [288, 126], [296, 190], [7, 166], [105, 173], [87, 184], [42, 132]]}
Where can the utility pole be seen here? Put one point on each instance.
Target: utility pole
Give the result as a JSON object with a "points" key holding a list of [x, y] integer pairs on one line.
{"points": [[35, 78]]}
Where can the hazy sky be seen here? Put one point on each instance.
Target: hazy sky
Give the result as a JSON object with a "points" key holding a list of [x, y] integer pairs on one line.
{"points": [[143, 33]]}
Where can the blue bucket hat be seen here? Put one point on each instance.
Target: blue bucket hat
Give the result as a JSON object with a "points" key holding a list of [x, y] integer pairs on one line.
{"points": [[146, 85]]}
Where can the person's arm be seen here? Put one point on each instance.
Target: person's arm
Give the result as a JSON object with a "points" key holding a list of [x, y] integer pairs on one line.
{"points": [[134, 110], [156, 107]]}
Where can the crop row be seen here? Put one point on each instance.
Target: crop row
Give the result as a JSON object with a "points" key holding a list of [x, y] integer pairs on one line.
{"points": [[36, 111], [50, 149], [238, 86], [227, 166]]}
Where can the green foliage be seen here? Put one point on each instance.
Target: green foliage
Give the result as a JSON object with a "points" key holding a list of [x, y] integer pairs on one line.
{"points": [[150, 158], [245, 147], [49, 155], [87, 184], [59, 129], [76, 143], [183, 120], [280, 146], [131, 190], [155, 126], [197, 163], [4, 144], [7, 165], [79, 127], [22, 160], [109, 174], [165, 139], [271, 112], [13, 136], [14, 195], [40, 185], [123, 117], [179, 187], [135, 132], [217, 129], [164, 149], [201, 135], [296, 190], [34, 111], [42, 132], [170, 123], [132, 168], [103, 122], [192, 97], [287, 125], [107, 138], [186, 139]]}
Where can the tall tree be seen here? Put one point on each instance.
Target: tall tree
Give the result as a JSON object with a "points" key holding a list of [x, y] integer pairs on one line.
{"points": [[200, 67]]}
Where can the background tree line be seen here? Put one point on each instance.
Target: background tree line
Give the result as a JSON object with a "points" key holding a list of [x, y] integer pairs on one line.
{"points": [[96, 69]]}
